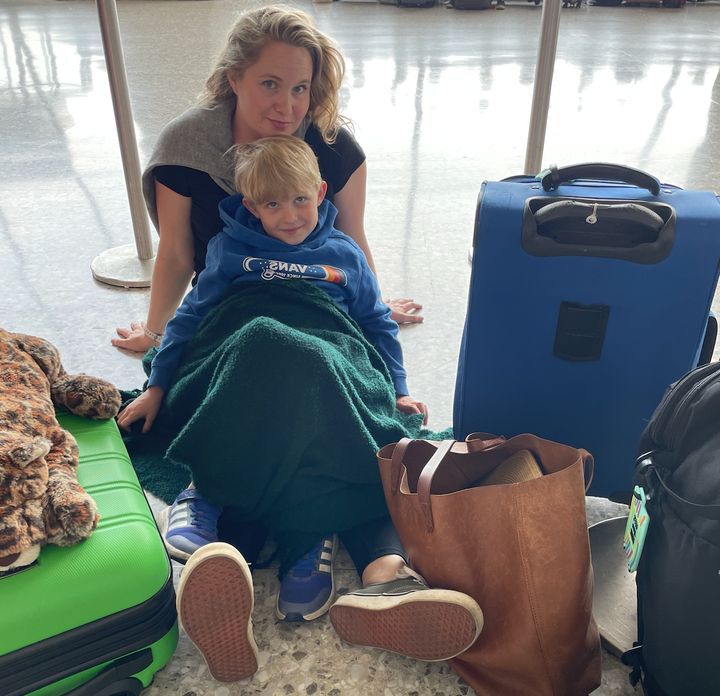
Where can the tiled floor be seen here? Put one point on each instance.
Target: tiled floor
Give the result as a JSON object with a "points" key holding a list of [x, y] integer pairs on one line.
{"points": [[441, 101]]}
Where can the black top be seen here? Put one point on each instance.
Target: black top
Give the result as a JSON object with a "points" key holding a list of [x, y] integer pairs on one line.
{"points": [[337, 163]]}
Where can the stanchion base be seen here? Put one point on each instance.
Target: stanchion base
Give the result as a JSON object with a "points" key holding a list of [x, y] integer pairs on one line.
{"points": [[614, 598], [121, 266]]}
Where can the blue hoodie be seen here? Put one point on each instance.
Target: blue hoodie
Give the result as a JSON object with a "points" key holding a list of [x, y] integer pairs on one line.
{"points": [[243, 252]]}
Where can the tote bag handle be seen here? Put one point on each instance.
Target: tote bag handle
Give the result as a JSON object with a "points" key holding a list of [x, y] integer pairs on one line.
{"points": [[475, 442], [424, 486]]}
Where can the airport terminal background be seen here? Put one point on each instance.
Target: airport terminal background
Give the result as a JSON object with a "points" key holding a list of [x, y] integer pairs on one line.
{"points": [[440, 100]]}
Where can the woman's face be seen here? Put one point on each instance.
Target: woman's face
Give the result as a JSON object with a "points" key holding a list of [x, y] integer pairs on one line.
{"points": [[273, 95]]}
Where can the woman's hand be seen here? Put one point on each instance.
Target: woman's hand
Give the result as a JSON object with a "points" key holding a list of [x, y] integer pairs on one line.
{"points": [[404, 311], [133, 338], [145, 406], [172, 270], [407, 404]]}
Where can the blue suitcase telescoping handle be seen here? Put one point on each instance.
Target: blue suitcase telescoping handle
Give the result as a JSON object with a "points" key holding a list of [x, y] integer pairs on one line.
{"points": [[553, 177]]}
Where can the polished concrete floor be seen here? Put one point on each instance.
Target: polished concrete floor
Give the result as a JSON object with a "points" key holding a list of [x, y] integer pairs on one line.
{"points": [[441, 101]]}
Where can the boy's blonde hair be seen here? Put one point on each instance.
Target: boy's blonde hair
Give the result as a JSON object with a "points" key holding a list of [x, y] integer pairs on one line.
{"points": [[271, 168], [252, 31]]}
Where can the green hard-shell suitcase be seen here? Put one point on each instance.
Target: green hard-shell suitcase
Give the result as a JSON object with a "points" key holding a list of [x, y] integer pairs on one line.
{"points": [[97, 618]]}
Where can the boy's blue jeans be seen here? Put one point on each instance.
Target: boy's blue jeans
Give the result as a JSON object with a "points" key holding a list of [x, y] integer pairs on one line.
{"points": [[372, 540], [364, 543]]}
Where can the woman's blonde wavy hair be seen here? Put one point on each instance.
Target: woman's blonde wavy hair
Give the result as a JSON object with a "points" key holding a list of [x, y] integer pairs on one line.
{"points": [[252, 31]]}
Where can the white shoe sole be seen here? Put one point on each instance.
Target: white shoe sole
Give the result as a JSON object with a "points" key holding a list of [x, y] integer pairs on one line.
{"points": [[162, 523], [325, 607], [215, 603], [430, 625]]}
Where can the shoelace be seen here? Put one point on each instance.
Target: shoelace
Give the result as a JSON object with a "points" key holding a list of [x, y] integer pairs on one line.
{"points": [[199, 517], [202, 518]]}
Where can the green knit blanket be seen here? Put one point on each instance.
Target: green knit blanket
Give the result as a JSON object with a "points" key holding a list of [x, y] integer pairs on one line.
{"points": [[277, 411]]}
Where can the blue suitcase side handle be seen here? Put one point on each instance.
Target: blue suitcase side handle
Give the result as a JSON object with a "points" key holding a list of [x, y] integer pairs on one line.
{"points": [[707, 347], [553, 177]]}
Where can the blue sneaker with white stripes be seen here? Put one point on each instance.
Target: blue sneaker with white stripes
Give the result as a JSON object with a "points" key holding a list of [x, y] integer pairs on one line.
{"points": [[308, 589], [188, 524]]}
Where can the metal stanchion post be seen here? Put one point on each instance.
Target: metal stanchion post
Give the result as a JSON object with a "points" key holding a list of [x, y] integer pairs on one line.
{"points": [[128, 265], [543, 84]]}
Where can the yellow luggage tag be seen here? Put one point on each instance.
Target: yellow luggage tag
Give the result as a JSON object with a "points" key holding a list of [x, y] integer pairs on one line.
{"points": [[636, 528]]}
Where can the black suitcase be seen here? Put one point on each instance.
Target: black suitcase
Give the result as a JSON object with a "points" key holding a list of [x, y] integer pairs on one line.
{"points": [[470, 4], [416, 3]]}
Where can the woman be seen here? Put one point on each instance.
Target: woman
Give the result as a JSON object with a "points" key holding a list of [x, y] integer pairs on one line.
{"points": [[293, 90], [277, 75]]}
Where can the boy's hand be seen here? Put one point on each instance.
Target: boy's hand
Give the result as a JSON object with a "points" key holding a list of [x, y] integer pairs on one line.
{"points": [[407, 404], [145, 406]]}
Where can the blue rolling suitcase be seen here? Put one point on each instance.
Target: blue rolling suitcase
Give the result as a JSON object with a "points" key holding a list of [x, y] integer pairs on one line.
{"points": [[590, 291]]}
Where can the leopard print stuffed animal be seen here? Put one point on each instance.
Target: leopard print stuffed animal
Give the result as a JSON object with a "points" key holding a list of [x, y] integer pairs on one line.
{"points": [[40, 499]]}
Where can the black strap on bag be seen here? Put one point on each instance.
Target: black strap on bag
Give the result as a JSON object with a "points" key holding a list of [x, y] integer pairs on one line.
{"points": [[633, 658], [647, 467]]}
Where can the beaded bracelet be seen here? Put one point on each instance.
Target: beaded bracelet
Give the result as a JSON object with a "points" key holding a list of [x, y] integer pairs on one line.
{"points": [[156, 338]]}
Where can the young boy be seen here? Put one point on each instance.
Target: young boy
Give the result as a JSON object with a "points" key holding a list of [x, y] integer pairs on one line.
{"points": [[279, 229]]}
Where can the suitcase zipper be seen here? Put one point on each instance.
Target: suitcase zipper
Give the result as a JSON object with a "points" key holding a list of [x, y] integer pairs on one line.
{"points": [[40, 664], [673, 416]]}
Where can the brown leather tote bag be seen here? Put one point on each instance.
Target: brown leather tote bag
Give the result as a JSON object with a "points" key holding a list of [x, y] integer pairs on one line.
{"points": [[521, 550]]}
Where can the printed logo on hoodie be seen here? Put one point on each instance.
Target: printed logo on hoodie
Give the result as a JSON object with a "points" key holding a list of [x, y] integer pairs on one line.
{"points": [[269, 269]]}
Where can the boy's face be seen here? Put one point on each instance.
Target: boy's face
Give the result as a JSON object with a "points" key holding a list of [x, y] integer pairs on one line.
{"points": [[290, 218]]}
